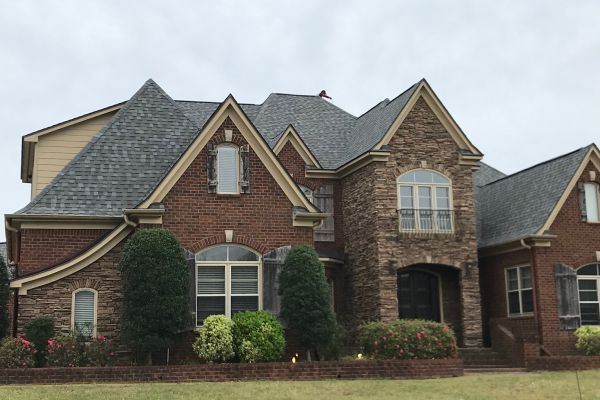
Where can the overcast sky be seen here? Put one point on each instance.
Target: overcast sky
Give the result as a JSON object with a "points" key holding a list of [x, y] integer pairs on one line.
{"points": [[522, 78]]}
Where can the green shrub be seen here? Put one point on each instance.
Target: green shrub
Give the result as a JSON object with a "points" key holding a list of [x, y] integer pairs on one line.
{"points": [[257, 337], [65, 351], [306, 303], [99, 352], [215, 339], [155, 281], [38, 331], [588, 340], [17, 353], [4, 296], [407, 339]]}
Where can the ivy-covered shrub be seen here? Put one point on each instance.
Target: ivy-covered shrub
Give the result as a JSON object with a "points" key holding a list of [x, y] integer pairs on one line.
{"points": [[17, 353], [257, 337], [215, 339], [588, 340], [407, 339], [155, 281], [39, 331], [65, 351], [99, 352]]}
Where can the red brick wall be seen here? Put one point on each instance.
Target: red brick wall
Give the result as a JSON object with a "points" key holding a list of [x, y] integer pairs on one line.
{"points": [[563, 363], [576, 244], [42, 248], [404, 369], [261, 219]]}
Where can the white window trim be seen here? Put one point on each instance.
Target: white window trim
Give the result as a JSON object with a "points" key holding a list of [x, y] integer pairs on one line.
{"points": [[237, 168], [95, 330], [227, 265], [519, 290], [415, 199], [588, 277], [588, 206]]}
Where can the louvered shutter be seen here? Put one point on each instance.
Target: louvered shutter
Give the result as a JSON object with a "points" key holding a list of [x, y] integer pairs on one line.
{"points": [[272, 266], [582, 205], [84, 312], [211, 157], [191, 264], [227, 169], [245, 168], [567, 297], [323, 199]]}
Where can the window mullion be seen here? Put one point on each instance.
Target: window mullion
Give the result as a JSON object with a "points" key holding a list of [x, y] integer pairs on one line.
{"points": [[520, 291]]}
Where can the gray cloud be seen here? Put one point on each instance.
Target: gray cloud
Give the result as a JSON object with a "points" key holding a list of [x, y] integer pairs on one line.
{"points": [[521, 78]]}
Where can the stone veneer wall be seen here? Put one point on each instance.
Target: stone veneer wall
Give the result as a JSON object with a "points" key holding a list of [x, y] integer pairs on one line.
{"points": [[374, 245]]}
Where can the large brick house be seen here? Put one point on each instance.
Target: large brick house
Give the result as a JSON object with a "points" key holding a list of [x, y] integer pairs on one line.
{"points": [[405, 218]]}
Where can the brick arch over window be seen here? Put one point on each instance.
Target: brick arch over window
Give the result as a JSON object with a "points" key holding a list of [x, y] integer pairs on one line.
{"points": [[408, 261], [84, 283], [237, 239]]}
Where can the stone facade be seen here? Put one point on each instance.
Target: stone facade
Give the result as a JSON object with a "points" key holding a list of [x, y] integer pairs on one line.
{"points": [[376, 249]]}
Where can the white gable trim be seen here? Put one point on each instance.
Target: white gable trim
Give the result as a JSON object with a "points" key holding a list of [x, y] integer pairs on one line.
{"points": [[290, 135]]}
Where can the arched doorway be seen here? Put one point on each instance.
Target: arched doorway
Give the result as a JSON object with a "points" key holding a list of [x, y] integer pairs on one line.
{"points": [[418, 295]]}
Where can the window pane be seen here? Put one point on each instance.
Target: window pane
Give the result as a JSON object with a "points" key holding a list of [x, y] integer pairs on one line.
{"points": [[591, 269], [513, 303], [407, 219], [588, 295], [211, 280], [525, 277], [243, 303], [423, 176], [424, 197], [587, 284], [84, 312], [227, 172], [439, 178], [237, 253], [218, 253], [406, 197], [527, 300], [512, 279], [589, 314], [442, 198], [244, 280], [206, 306], [409, 177], [591, 201]]}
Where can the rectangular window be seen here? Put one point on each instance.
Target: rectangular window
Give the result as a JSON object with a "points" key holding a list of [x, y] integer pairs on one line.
{"points": [[226, 289], [519, 291], [589, 304], [84, 312], [591, 202], [227, 170]]}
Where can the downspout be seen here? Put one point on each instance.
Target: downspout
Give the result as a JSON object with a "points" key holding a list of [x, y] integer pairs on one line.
{"points": [[128, 221], [536, 292]]}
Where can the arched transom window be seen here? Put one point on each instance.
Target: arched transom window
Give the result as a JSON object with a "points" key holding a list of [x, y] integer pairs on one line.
{"points": [[425, 201], [588, 281], [228, 280]]}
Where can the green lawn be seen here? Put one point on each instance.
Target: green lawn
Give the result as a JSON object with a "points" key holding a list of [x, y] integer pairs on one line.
{"points": [[546, 385]]}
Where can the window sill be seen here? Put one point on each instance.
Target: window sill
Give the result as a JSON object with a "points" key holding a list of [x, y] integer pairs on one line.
{"points": [[229, 194], [523, 316]]}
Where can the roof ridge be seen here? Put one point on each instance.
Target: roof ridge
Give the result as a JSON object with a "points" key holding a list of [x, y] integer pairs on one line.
{"points": [[212, 102], [538, 165], [372, 108], [93, 140]]}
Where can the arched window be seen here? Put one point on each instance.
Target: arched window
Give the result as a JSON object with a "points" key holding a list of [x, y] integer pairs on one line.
{"points": [[84, 312], [588, 282], [425, 201], [228, 169], [228, 280]]}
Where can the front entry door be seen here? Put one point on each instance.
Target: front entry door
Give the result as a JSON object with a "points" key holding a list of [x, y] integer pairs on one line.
{"points": [[418, 296]]}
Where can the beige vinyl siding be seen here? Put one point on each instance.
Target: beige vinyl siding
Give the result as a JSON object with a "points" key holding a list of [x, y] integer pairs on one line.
{"points": [[54, 150]]}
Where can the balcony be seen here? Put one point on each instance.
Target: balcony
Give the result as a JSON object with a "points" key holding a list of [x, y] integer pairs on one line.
{"points": [[426, 221]]}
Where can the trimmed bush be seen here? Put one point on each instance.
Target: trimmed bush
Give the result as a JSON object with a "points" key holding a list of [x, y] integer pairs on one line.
{"points": [[407, 339], [39, 331], [215, 339], [588, 340], [257, 337], [155, 281], [99, 352], [65, 351], [306, 303], [17, 353], [4, 296]]}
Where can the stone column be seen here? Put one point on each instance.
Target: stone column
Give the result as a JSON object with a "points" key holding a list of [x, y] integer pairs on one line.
{"points": [[471, 306]]}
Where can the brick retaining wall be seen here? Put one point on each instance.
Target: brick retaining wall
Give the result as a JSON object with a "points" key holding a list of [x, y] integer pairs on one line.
{"points": [[562, 363], [416, 369]]}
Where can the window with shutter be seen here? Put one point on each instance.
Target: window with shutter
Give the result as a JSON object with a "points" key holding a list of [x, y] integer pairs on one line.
{"points": [[227, 281], [323, 199], [227, 169], [84, 312], [245, 168]]}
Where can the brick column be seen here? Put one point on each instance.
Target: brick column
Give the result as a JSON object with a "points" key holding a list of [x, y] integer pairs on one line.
{"points": [[471, 306]]}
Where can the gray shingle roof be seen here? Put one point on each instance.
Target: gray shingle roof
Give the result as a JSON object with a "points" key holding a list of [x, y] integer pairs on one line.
{"points": [[128, 158], [518, 205]]}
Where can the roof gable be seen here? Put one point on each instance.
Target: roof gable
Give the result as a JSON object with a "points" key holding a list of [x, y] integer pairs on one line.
{"points": [[521, 204], [291, 136]]}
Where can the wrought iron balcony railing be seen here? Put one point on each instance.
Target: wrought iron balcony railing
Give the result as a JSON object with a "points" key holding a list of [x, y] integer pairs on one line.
{"points": [[426, 221]]}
